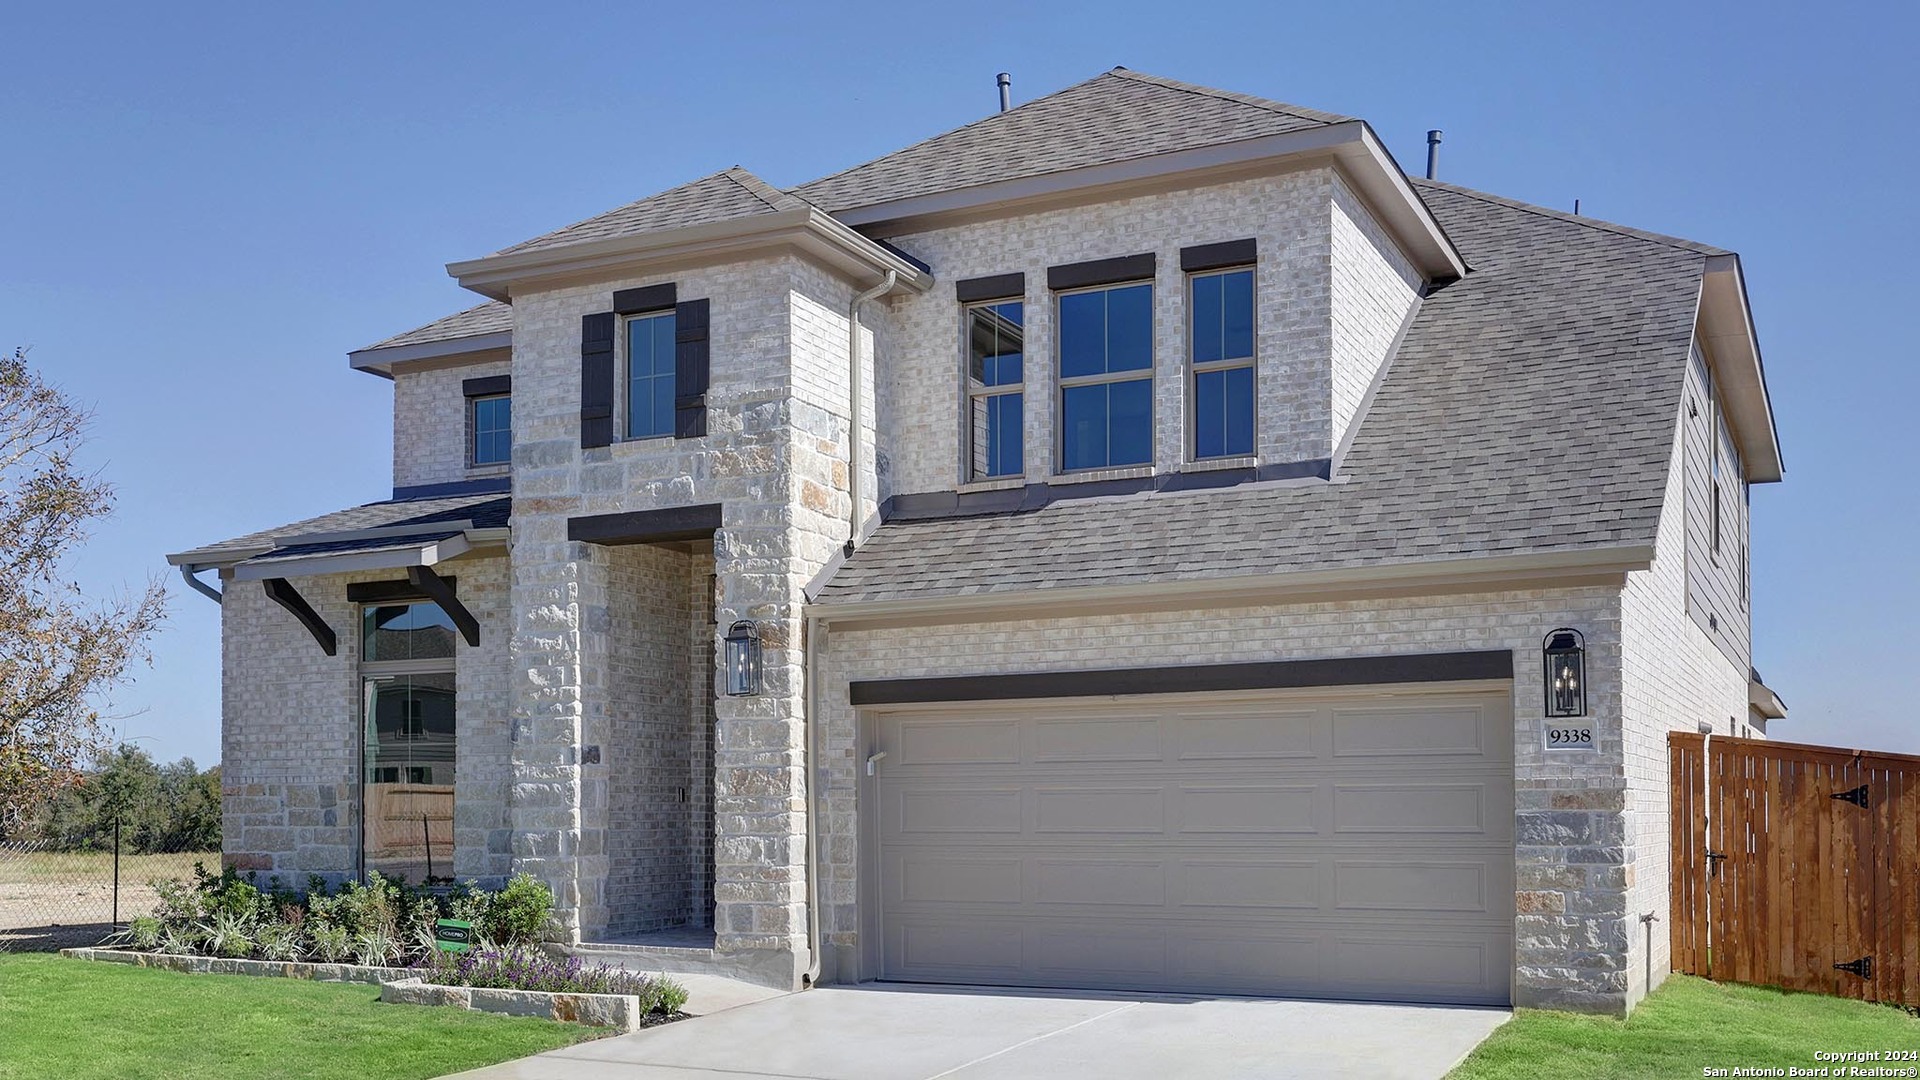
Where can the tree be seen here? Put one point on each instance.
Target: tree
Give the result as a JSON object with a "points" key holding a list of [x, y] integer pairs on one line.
{"points": [[159, 808], [60, 651]]}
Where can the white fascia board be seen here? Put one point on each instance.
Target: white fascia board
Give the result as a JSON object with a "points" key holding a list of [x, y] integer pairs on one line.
{"points": [[342, 562], [417, 528], [1761, 696], [209, 557], [381, 361], [1471, 574], [1725, 324], [807, 229], [1372, 171]]}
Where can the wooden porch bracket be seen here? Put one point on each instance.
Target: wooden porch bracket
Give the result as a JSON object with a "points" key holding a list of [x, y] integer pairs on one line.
{"points": [[282, 592], [440, 591]]}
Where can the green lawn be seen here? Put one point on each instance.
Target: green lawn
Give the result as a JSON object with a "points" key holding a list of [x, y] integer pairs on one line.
{"points": [[80, 1019], [1689, 1025]]}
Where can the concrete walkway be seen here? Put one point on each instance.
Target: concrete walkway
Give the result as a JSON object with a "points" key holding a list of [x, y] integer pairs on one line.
{"points": [[899, 1032]]}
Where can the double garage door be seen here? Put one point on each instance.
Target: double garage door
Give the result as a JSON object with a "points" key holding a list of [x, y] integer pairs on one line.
{"points": [[1354, 844]]}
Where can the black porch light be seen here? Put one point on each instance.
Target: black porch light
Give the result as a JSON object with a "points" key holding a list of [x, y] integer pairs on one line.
{"points": [[1564, 659], [743, 659]]}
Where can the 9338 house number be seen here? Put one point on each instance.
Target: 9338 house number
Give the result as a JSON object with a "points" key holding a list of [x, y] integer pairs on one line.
{"points": [[1569, 738]]}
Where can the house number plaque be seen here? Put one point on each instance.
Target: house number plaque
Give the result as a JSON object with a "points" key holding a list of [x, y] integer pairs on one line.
{"points": [[1564, 736]]}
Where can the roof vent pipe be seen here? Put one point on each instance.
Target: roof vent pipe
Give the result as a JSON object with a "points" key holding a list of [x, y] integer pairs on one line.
{"points": [[1006, 90], [1433, 154]]}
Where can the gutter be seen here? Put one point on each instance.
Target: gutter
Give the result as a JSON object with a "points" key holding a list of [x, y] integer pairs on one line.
{"points": [[188, 572], [854, 398]]}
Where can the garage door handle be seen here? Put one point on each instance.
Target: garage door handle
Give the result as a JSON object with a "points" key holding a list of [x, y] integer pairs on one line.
{"points": [[874, 759]]}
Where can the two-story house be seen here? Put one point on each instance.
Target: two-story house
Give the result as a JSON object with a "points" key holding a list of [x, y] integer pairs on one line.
{"points": [[1141, 539]]}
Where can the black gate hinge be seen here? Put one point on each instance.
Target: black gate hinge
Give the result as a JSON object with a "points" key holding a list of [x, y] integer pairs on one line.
{"points": [[1862, 967], [1856, 796]]}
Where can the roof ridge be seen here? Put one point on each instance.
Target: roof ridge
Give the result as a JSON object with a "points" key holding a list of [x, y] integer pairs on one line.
{"points": [[1254, 101], [750, 188], [1597, 224], [943, 134]]}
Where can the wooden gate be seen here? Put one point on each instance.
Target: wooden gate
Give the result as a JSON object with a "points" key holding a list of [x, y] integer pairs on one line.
{"points": [[1795, 866]]}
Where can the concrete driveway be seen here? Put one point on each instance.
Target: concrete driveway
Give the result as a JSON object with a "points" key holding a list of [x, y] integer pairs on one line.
{"points": [[900, 1032]]}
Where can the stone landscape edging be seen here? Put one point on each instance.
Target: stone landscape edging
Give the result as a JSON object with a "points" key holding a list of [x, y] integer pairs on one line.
{"points": [[215, 965], [618, 1011]]}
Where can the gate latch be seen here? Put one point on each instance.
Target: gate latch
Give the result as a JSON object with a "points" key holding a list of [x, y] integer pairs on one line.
{"points": [[1856, 796], [1713, 862], [1862, 967]]}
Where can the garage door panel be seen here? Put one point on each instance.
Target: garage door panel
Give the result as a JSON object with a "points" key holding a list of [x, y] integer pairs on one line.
{"points": [[947, 742], [1413, 886], [1250, 886], [1272, 808], [1242, 736], [1100, 882], [1411, 730], [1139, 809], [1341, 845], [1412, 808], [1082, 740]]}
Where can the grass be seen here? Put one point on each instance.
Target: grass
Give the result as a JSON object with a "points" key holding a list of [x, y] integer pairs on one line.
{"points": [[1689, 1025], [61, 866], [83, 1020]]}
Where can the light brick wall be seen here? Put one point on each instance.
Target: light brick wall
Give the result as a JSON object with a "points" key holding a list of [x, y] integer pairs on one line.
{"points": [[430, 436], [1572, 873], [1374, 286], [1675, 677], [290, 730], [1290, 216]]}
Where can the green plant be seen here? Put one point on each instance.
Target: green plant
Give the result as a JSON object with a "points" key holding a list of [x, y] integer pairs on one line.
{"points": [[519, 913], [279, 941], [330, 943], [375, 945], [144, 931], [673, 996], [179, 941], [228, 934]]}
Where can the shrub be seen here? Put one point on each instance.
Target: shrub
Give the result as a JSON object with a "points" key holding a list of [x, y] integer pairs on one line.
{"points": [[527, 968], [518, 914], [330, 943]]}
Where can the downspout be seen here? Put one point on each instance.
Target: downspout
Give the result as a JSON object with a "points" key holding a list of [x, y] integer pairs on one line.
{"points": [[187, 571], [815, 641], [854, 400]]}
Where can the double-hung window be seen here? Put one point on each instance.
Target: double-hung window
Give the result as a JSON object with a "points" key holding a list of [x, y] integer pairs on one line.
{"points": [[1106, 377], [1220, 345], [650, 375], [491, 422], [995, 379]]}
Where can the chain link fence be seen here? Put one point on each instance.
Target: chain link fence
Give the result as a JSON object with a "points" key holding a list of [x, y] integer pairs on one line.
{"points": [[53, 899]]}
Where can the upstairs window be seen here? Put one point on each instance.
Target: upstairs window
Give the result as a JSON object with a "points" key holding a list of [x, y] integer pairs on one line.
{"points": [[650, 375], [492, 426], [1221, 354], [1106, 377], [996, 339]]}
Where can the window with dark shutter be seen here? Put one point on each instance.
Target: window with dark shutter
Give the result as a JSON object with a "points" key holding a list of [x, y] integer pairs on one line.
{"points": [[690, 369], [596, 378]]}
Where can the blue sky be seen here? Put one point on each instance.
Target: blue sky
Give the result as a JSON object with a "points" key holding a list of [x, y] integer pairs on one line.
{"points": [[204, 207]]}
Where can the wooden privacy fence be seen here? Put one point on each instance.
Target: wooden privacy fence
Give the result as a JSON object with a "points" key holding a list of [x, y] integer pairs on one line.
{"points": [[1795, 866]]}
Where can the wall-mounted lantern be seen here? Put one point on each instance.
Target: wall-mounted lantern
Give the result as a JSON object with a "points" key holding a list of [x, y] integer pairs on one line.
{"points": [[743, 659], [1564, 658]]}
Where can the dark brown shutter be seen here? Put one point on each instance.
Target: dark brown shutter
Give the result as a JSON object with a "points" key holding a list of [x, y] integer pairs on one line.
{"points": [[596, 378], [690, 357]]}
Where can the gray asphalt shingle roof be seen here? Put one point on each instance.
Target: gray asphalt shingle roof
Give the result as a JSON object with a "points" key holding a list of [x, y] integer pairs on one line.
{"points": [[724, 196], [1116, 116], [1531, 408], [489, 511], [488, 318]]}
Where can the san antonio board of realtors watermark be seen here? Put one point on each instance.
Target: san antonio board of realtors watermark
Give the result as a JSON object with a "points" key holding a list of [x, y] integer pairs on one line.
{"points": [[1832, 1063]]}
